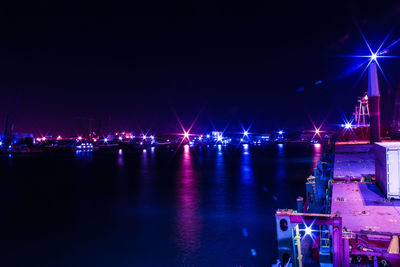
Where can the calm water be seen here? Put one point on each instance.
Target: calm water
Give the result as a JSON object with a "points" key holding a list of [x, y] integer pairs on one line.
{"points": [[192, 207]]}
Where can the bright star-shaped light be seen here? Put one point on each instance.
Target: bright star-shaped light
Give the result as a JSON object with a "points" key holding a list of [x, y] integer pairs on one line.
{"points": [[245, 133], [186, 135], [308, 230], [280, 132], [374, 55]]}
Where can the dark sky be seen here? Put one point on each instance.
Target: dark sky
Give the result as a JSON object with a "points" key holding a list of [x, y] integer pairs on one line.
{"points": [[133, 66]]}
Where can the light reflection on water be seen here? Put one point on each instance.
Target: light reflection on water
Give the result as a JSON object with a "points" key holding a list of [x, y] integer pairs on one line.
{"points": [[188, 207], [281, 161], [188, 219], [317, 153], [120, 158], [245, 166]]}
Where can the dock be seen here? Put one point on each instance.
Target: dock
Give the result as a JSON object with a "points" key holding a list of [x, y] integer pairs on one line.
{"points": [[363, 227]]}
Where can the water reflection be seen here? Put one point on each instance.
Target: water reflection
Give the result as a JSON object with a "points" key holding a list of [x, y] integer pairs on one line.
{"points": [[84, 154], [188, 221], [246, 192], [280, 164], [220, 186], [316, 154], [245, 166], [120, 158]]}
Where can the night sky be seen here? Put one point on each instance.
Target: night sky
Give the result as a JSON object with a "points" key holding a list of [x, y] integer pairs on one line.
{"points": [[134, 66]]}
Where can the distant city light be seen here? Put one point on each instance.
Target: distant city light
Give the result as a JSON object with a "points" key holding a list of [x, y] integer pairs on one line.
{"points": [[1, 143], [280, 132], [208, 136], [186, 135], [105, 140], [59, 137], [373, 56], [43, 138], [245, 133], [152, 137], [120, 138], [79, 137], [144, 136], [219, 138]]}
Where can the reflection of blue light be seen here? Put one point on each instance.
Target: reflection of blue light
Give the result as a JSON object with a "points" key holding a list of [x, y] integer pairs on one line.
{"points": [[219, 147], [253, 252], [144, 150]]}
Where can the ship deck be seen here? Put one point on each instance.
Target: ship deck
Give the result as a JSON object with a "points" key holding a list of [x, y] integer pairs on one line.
{"points": [[361, 205]]}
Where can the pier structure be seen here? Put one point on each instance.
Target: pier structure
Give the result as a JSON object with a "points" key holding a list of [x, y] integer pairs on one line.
{"points": [[346, 219], [351, 213]]}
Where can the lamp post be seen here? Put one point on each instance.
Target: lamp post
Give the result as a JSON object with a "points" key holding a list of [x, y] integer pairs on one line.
{"points": [[374, 100]]}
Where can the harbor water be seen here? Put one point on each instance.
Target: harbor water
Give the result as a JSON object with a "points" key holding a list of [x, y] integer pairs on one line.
{"points": [[194, 206]]}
